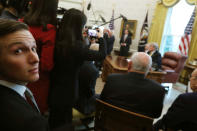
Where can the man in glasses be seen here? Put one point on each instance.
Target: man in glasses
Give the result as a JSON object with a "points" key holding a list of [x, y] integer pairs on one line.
{"points": [[182, 114]]}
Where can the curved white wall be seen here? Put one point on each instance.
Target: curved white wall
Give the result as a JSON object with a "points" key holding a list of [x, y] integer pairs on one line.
{"points": [[132, 9]]}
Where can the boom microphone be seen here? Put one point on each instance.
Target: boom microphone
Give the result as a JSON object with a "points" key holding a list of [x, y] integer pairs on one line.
{"points": [[89, 6], [123, 17], [102, 18]]}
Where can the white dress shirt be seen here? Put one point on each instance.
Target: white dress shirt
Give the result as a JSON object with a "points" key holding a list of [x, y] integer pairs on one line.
{"points": [[20, 89], [125, 37]]}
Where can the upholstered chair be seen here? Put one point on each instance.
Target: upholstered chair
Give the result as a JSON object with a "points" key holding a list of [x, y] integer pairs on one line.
{"points": [[173, 63]]}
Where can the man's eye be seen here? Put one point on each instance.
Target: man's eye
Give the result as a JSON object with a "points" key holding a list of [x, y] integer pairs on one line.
{"points": [[34, 49], [18, 51]]}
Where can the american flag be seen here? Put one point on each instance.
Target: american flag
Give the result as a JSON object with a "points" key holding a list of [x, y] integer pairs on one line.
{"points": [[186, 38], [143, 35], [111, 24], [144, 30]]}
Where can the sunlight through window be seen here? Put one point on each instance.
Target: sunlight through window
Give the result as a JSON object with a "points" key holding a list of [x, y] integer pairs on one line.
{"points": [[176, 21]]}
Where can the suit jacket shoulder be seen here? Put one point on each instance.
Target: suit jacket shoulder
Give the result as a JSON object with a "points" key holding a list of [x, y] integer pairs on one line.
{"points": [[134, 92], [17, 114], [181, 114]]}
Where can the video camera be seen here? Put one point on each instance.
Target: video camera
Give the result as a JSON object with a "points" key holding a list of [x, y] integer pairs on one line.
{"points": [[93, 32]]}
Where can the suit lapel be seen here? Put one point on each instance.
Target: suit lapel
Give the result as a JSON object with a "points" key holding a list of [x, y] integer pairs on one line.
{"points": [[17, 97]]}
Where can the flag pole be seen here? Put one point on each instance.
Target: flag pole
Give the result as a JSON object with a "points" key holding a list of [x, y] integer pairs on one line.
{"points": [[143, 35]]}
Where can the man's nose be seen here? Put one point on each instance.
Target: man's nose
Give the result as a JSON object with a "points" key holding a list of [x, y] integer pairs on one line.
{"points": [[33, 57]]}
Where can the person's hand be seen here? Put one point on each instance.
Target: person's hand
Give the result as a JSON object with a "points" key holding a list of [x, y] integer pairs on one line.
{"points": [[123, 44], [99, 35]]}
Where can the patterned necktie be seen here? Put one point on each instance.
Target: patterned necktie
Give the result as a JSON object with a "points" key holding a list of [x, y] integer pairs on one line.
{"points": [[30, 99]]}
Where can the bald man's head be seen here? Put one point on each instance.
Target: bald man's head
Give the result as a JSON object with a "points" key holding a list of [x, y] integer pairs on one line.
{"points": [[141, 62], [193, 80]]}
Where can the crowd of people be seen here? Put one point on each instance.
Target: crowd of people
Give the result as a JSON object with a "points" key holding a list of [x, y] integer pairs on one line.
{"points": [[54, 62]]}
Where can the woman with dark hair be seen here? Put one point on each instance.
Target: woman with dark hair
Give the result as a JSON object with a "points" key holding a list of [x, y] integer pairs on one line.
{"points": [[42, 13], [70, 53], [41, 20]]}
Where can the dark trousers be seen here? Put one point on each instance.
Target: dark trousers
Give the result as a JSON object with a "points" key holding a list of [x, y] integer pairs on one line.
{"points": [[60, 116], [124, 50]]}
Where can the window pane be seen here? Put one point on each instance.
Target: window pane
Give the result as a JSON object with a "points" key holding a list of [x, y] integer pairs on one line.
{"points": [[176, 21]]}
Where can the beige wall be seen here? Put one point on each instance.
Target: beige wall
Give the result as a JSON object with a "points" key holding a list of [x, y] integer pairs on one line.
{"points": [[132, 9]]}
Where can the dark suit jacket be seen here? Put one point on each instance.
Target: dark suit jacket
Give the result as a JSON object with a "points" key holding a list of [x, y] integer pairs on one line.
{"points": [[87, 81], [156, 60], [181, 115], [64, 79], [17, 114], [110, 42], [125, 49], [135, 93]]}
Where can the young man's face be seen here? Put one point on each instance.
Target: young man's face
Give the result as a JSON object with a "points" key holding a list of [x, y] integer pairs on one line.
{"points": [[126, 32], [18, 58]]}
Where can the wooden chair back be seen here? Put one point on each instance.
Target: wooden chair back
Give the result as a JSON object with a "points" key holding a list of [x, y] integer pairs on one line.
{"points": [[112, 118]]}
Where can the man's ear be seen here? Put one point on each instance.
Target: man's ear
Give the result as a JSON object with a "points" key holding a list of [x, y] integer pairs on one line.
{"points": [[130, 65]]}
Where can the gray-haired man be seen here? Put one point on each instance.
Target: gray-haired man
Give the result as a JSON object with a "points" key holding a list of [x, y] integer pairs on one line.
{"points": [[155, 55], [132, 91]]}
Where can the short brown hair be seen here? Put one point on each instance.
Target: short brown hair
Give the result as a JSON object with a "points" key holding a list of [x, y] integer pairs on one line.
{"points": [[10, 26]]}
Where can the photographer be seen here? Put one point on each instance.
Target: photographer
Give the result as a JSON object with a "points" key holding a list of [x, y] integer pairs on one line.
{"points": [[70, 53], [109, 37]]}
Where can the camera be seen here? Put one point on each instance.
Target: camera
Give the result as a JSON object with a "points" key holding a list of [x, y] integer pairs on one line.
{"points": [[92, 33]]}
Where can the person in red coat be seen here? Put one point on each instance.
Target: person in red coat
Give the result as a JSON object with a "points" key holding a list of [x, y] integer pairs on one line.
{"points": [[41, 20]]}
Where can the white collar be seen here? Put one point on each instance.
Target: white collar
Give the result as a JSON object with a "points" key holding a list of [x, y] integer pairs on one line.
{"points": [[152, 52], [20, 89]]}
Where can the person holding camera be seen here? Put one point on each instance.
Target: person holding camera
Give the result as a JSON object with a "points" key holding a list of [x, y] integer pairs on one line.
{"points": [[109, 37], [69, 54]]}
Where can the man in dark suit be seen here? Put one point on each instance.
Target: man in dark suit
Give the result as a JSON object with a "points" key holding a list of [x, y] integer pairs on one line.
{"points": [[18, 66], [182, 113], [109, 38], [132, 91], [87, 80], [156, 56], [125, 43]]}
